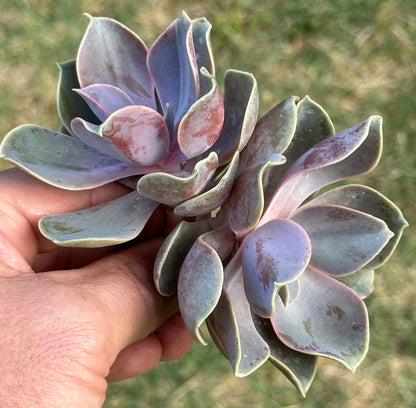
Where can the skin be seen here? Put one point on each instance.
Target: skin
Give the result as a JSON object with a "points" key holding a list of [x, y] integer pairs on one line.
{"points": [[73, 319]]}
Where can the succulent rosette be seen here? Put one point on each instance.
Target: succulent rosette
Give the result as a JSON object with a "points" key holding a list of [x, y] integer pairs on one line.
{"points": [[283, 274], [277, 270], [153, 119]]}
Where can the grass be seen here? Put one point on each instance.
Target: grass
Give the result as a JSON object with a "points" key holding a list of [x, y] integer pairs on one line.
{"points": [[355, 58]]}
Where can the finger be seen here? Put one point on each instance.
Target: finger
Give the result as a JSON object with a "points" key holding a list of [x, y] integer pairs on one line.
{"points": [[169, 342], [175, 338], [136, 359]]}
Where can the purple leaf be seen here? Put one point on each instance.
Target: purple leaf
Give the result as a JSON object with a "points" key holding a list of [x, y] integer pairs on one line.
{"points": [[140, 133], [299, 368], [91, 135], [367, 200], [343, 240], [70, 104], [111, 223], [351, 152], [272, 134], [201, 278], [61, 160], [173, 190], [104, 99], [172, 253], [328, 319], [246, 202], [233, 329], [202, 123], [201, 29], [110, 53], [361, 282], [173, 66], [214, 196], [313, 125], [273, 255], [241, 104]]}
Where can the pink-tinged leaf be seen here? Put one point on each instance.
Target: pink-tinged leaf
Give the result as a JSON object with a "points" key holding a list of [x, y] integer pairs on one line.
{"points": [[201, 29], [241, 105], [299, 368], [110, 53], [328, 319], [367, 200], [343, 240], [232, 328], [91, 135], [351, 152], [201, 278], [61, 160], [214, 196], [104, 99], [173, 66], [246, 203], [272, 134], [140, 133], [313, 125], [111, 223], [70, 104], [172, 253], [173, 190], [361, 282], [202, 123], [274, 255]]}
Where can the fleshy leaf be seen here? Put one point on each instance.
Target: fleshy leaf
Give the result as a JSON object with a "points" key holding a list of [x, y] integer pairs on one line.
{"points": [[233, 329], [201, 29], [272, 134], [70, 104], [361, 282], [299, 368], [139, 132], [312, 126], [367, 200], [202, 123], [172, 190], [241, 105], [214, 196], [111, 223], [104, 99], [351, 152], [172, 253], [134, 134], [274, 255], [247, 199], [173, 66], [343, 240], [328, 319], [110, 53], [201, 277], [61, 160]]}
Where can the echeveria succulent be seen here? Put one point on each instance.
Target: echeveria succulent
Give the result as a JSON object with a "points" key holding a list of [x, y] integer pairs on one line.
{"points": [[277, 271], [128, 111], [282, 275]]}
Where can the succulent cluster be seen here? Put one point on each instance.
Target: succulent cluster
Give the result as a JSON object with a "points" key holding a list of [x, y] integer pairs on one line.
{"points": [[275, 271]]}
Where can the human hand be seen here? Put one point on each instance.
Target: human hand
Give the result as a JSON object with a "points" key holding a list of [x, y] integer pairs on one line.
{"points": [[72, 319]]}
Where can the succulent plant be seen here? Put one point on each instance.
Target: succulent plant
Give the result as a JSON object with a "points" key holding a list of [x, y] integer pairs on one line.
{"points": [[281, 273], [276, 271], [151, 118]]}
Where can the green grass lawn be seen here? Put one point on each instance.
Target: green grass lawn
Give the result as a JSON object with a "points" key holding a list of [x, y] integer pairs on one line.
{"points": [[356, 58]]}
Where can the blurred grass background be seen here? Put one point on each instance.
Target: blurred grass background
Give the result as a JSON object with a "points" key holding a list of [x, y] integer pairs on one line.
{"points": [[355, 58]]}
